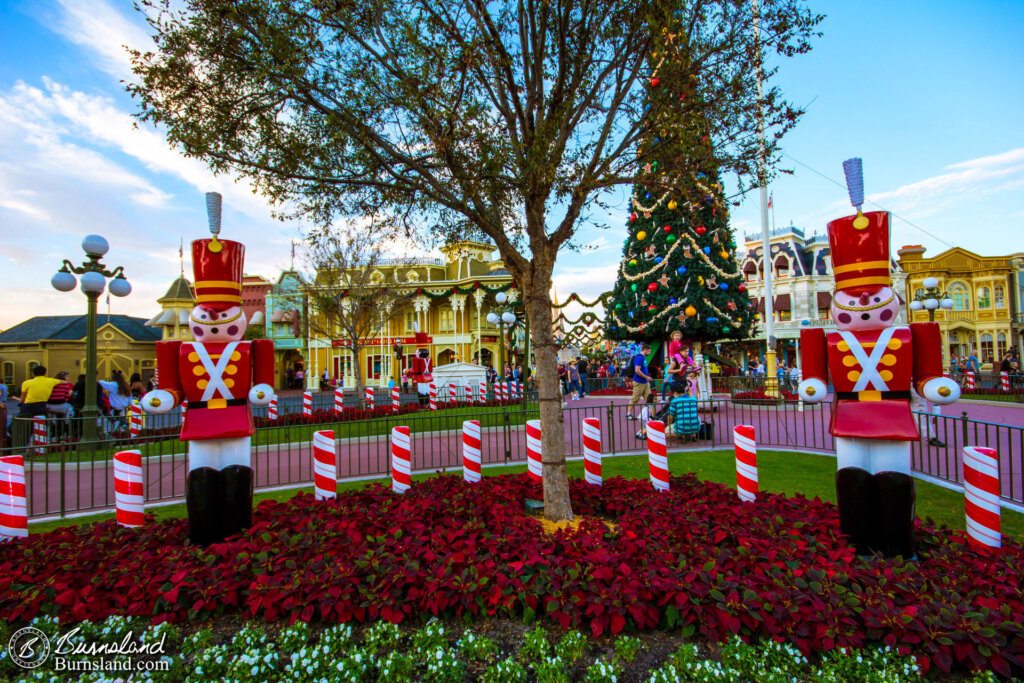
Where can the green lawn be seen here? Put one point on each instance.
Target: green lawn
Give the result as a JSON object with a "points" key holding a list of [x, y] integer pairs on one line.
{"points": [[778, 472]]}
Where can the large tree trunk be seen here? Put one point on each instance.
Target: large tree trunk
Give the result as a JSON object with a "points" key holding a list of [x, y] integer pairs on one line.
{"points": [[557, 505], [358, 371]]}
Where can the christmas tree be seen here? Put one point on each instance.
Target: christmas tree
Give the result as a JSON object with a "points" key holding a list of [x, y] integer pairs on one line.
{"points": [[678, 270]]}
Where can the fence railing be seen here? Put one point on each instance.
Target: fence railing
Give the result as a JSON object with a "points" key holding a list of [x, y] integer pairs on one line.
{"points": [[74, 477]]}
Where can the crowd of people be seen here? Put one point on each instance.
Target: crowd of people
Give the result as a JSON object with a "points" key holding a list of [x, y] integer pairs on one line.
{"points": [[57, 398]]}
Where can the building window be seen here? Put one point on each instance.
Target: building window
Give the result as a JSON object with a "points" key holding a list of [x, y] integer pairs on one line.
{"points": [[785, 316], [30, 366], [410, 321], [750, 271], [984, 298], [782, 267], [824, 313], [1000, 296], [446, 323], [986, 348], [1000, 346], [961, 302], [8, 372], [918, 293]]}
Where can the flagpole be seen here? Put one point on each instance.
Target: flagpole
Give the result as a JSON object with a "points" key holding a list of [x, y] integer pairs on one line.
{"points": [[771, 203]]}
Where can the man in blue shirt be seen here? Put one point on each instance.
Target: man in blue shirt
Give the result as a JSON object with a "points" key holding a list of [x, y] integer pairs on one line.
{"points": [[641, 380], [972, 361], [683, 409]]}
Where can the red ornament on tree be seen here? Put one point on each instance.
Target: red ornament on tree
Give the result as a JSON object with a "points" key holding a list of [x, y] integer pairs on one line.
{"points": [[742, 287], [652, 286], [700, 230], [654, 82], [667, 228], [632, 216]]}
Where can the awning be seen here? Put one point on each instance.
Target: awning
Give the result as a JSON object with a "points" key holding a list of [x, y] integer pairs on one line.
{"points": [[281, 316], [781, 303], [824, 300], [257, 318], [759, 305]]}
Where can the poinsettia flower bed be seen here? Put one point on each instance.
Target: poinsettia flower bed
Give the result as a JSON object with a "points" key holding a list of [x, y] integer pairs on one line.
{"points": [[694, 558], [758, 395]]}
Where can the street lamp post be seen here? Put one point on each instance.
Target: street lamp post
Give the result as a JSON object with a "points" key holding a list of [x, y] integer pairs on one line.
{"points": [[501, 319], [93, 281], [931, 299]]}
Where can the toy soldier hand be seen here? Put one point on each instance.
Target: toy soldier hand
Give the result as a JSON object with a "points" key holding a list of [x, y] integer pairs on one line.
{"points": [[812, 390], [158, 401], [261, 394], [940, 390]]}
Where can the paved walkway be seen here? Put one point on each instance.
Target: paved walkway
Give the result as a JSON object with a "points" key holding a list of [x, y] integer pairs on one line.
{"points": [[90, 485]]}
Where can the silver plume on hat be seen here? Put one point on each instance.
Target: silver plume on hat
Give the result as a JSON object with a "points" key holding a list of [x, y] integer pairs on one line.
{"points": [[213, 204]]}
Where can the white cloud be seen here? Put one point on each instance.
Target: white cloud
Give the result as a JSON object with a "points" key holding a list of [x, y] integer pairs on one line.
{"points": [[96, 26]]}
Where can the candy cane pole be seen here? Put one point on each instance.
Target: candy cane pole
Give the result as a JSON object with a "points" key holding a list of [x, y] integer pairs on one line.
{"points": [[307, 404], [1004, 379], [592, 450], [272, 409], [135, 420], [981, 490], [513, 391], [970, 380], [483, 392], [469, 392], [128, 492], [657, 454], [339, 401], [746, 462], [325, 468], [471, 451], [184, 409], [396, 399], [13, 501], [452, 396], [401, 460], [39, 434], [369, 398], [502, 391], [534, 451], [433, 396]]}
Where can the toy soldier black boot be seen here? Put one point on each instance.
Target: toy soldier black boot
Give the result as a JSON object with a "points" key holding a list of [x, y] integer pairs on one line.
{"points": [[238, 483], [897, 494], [855, 494], [203, 500]]}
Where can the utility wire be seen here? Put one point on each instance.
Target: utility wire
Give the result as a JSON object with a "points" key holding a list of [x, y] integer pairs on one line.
{"points": [[868, 201]]}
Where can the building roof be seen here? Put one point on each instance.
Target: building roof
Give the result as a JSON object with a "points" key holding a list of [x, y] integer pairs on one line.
{"points": [[181, 289], [73, 328]]}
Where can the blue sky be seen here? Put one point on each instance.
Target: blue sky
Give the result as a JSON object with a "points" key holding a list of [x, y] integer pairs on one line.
{"points": [[930, 94]]}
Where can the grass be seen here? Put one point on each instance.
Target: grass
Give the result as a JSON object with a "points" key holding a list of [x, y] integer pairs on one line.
{"points": [[778, 472]]}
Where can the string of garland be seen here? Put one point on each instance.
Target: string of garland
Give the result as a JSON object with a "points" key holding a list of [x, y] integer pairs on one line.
{"points": [[587, 319], [671, 250], [601, 300]]}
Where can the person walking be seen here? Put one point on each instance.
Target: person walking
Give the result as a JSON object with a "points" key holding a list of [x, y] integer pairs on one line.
{"points": [[35, 392], [583, 366], [641, 381], [574, 380]]}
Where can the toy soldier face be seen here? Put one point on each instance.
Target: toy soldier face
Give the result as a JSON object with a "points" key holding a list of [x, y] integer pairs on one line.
{"points": [[209, 325], [864, 309]]}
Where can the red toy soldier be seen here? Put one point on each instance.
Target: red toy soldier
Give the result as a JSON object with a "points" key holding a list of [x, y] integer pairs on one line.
{"points": [[873, 365], [219, 375], [421, 365]]}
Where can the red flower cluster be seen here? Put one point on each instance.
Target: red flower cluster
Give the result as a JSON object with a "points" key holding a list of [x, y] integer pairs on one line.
{"points": [[759, 395], [694, 558], [611, 391]]}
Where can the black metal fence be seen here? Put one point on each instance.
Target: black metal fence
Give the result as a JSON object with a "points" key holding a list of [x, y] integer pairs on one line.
{"points": [[72, 477]]}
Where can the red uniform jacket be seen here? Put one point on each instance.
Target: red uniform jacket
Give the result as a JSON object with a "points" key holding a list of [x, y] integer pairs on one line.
{"points": [[215, 379], [872, 372]]}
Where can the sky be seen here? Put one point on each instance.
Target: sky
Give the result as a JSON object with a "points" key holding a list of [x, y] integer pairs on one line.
{"points": [[929, 93]]}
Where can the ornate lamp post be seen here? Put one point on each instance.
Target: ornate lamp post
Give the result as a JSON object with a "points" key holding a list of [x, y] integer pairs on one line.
{"points": [[93, 281], [501, 319], [931, 299]]}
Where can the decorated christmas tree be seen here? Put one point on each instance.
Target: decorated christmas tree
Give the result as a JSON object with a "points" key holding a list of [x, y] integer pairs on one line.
{"points": [[678, 270]]}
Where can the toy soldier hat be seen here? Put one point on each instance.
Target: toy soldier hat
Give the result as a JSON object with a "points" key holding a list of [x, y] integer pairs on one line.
{"points": [[218, 274], [422, 340], [859, 244]]}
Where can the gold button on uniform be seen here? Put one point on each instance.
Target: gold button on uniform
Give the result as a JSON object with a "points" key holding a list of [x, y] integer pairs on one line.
{"points": [[843, 346], [193, 357], [198, 370], [853, 375], [889, 359], [229, 383], [849, 361], [202, 383], [886, 375], [231, 369], [894, 344], [236, 356]]}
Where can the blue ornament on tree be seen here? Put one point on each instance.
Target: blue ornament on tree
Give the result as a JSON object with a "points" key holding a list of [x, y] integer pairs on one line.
{"points": [[647, 196], [723, 286], [681, 270], [658, 259], [707, 250], [631, 314], [712, 320], [673, 301]]}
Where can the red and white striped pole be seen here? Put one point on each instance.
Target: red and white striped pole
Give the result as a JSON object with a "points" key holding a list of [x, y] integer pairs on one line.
{"points": [[534, 451], [433, 396], [369, 398], [503, 391], [483, 391], [325, 467], [128, 493], [469, 392], [396, 399], [339, 401], [156, 376], [657, 454], [970, 380], [452, 395], [135, 420], [13, 498], [592, 450], [401, 460], [945, 373], [272, 409], [39, 434], [307, 404], [1004, 379], [471, 451], [184, 409], [981, 489], [746, 462]]}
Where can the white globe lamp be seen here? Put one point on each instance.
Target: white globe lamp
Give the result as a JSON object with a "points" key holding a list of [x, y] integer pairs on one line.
{"points": [[63, 281], [120, 287], [930, 283], [95, 245], [501, 297], [916, 305], [508, 317], [93, 283], [931, 304], [946, 303]]}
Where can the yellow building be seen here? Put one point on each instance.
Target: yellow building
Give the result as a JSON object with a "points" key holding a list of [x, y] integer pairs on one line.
{"points": [[175, 307], [980, 288], [455, 322], [57, 342]]}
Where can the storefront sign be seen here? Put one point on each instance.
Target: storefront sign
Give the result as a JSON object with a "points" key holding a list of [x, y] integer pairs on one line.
{"points": [[378, 341], [817, 323]]}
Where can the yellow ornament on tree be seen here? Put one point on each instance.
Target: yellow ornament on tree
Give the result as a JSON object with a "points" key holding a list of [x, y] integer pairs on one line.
{"points": [[700, 280], [690, 311], [641, 235], [672, 205]]}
